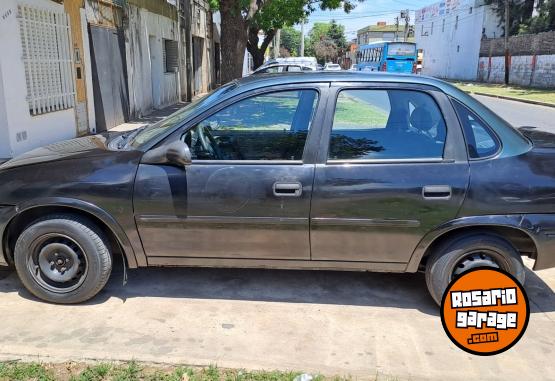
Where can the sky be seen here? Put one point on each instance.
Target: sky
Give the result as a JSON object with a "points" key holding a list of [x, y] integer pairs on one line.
{"points": [[367, 13]]}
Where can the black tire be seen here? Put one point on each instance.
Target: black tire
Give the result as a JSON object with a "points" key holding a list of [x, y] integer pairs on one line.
{"points": [[44, 248], [464, 252]]}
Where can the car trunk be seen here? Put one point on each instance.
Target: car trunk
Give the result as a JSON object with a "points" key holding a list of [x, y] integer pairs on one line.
{"points": [[540, 138]]}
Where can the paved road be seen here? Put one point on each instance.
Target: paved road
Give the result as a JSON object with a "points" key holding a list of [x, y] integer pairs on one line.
{"points": [[332, 322], [522, 114]]}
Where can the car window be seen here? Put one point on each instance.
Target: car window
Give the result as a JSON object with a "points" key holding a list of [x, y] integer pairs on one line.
{"points": [[386, 124], [271, 126], [293, 68], [148, 134], [480, 140], [272, 69]]}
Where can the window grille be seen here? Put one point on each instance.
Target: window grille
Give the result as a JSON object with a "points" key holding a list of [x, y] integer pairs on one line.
{"points": [[47, 58]]}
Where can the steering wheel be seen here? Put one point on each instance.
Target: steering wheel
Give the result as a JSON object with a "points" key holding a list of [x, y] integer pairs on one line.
{"points": [[208, 142]]}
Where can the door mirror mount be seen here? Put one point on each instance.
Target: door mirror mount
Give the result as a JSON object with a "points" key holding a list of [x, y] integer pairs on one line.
{"points": [[176, 153]]}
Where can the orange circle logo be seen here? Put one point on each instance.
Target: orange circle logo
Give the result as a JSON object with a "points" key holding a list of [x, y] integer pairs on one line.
{"points": [[485, 311]]}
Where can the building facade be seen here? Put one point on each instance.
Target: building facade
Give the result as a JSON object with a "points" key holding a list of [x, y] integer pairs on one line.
{"points": [[448, 34], [45, 82], [75, 67], [380, 32]]}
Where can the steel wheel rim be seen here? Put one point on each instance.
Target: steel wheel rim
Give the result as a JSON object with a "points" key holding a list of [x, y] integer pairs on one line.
{"points": [[57, 263], [474, 259]]}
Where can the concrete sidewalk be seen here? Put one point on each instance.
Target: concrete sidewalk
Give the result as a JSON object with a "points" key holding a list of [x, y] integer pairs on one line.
{"points": [[335, 323], [154, 117]]}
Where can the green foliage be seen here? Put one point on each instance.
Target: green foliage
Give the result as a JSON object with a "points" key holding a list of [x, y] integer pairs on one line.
{"points": [[326, 41], [543, 22], [291, 40], [23, 371], [96, 372], [521, 20]]}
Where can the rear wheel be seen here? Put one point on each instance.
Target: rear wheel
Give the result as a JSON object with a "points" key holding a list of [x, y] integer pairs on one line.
{"points": [[466, 252], [63, 259]]}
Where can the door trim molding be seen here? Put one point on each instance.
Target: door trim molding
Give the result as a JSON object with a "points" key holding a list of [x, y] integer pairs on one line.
{"points": [[364, 222], [165, 219]]}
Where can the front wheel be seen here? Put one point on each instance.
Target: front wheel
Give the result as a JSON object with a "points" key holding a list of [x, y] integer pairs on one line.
{"points": [[467, 252], [63, 259]]}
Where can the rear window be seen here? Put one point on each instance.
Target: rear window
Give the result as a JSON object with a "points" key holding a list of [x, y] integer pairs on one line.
{"points": [[401, 49], [480, 140]]}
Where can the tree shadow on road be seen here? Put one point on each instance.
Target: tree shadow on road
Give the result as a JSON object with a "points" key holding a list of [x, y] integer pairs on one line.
{"points": [[406, 291]]}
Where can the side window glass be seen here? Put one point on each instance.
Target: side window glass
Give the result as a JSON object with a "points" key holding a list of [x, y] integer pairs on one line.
{"points": [[386, 124], [480, 140], [272, 126]]}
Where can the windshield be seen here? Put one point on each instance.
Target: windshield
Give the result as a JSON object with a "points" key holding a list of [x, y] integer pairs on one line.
{"points": [[150, 132], [401, 49]]}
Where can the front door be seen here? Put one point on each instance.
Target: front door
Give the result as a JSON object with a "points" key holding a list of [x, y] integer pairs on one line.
{"points": [[247, 193], [395, 168]]}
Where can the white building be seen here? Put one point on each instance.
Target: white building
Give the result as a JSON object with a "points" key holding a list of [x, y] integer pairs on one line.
{"points": [[38, 86], [449, 34]]}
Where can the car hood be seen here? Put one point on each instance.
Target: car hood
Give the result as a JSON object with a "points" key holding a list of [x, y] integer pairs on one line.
{"points": [[87, 146], [540, 139]]}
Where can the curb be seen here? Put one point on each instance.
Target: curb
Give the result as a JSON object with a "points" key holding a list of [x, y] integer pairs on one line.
{"points": [[538, 103]]}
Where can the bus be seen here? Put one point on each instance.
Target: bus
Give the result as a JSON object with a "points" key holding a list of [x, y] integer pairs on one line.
{"points": [[393, 57]]}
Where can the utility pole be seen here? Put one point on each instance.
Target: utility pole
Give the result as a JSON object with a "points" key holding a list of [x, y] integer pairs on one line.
{"points": [[507, 29], [407, 20], [277, 43], [301, 52], [397, 28]]}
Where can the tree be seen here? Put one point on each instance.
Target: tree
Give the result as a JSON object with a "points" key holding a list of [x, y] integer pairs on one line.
{"points": [[326, 41], [242, 20], [543, 22], [291, 40], [520, 13], [326, 50]]}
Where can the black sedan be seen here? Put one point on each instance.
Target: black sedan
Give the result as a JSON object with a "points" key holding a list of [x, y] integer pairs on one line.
{"points": [[343, 171]]}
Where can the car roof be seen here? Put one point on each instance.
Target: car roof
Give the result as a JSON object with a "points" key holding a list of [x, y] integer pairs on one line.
{"points": [[265, 80]]}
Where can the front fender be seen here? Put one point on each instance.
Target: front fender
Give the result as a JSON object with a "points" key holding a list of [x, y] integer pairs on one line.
{"points": [[539, 227], [79, 206]]}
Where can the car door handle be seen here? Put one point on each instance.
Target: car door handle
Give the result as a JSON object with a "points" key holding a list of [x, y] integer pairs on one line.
{"points": [[437, 192], [288, 189]]}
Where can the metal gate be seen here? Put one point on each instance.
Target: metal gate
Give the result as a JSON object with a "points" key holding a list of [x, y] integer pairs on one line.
{"points": [[109, 71]]}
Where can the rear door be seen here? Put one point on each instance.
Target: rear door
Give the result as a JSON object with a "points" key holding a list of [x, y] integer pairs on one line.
{"points": [[392, 166]]}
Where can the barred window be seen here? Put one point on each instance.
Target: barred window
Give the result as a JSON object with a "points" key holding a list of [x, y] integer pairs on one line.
{"points": [[47, 59]]}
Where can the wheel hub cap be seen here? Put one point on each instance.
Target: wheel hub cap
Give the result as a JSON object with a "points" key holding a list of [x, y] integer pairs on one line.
{"points": [[474, 260], [58, 262]]}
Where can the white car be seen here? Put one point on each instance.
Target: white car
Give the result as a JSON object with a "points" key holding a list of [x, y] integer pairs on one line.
{"points": [[332, 67]]}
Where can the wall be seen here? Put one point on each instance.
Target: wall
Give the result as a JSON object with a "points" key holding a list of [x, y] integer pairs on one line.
{"points": [[450, 36], [149, 86], [535, 71], [201, 27], [34, 131], [532, 60]]}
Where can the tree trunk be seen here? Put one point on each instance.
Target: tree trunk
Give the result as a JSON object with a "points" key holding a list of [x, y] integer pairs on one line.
{"points": [[258, 52], [233, 40]]}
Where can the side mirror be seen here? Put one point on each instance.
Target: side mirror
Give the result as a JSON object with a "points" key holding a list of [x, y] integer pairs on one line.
{"points": [[175, 153]]}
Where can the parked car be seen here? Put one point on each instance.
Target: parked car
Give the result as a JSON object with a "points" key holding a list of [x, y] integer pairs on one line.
{"points": [[282, 68], [332, 67], [345, 171], [301, 61]]}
